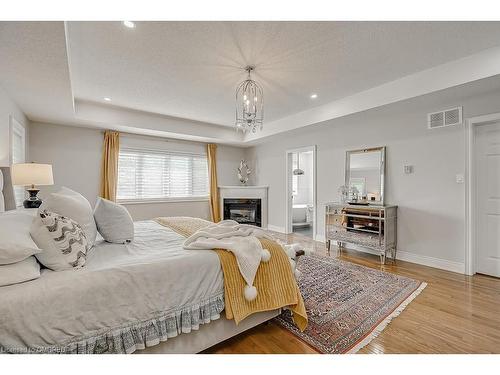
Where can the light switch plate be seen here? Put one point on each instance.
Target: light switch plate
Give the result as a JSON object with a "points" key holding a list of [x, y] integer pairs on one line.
{"points": [[408, 169], [459, 178]]}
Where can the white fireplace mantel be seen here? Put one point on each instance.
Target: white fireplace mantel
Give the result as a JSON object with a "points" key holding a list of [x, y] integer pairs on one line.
{"points": [[245, 192]]}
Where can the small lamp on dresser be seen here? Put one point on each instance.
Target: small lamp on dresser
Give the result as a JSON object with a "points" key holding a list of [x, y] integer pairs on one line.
{"points": [[31, 174]]}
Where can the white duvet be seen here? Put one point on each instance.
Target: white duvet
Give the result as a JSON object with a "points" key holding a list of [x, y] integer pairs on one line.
{"points": [[120, 285]]}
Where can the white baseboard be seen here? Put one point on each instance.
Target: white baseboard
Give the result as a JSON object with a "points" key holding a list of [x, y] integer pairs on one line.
{"points": [[275, 228], [425, 260]]}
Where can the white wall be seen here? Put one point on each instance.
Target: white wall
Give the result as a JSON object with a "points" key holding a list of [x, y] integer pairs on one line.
{"points": [[8, 108], [75, 155], [431, 204]]}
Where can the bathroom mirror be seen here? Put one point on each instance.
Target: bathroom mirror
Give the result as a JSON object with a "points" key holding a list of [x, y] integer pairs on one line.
{"points": [[365, 170]]}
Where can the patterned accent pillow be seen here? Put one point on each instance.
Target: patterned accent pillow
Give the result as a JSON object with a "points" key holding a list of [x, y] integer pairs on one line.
{"points": [[62, 240]]}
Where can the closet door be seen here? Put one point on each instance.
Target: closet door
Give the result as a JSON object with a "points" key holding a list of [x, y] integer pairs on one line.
{"points": [[487, 152]]}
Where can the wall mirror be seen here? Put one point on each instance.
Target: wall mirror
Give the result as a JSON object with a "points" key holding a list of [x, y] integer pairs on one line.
{"points": [[364, 175]]}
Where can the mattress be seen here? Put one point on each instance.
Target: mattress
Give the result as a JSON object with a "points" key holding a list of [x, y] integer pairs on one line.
{"points": [[127, 297]]}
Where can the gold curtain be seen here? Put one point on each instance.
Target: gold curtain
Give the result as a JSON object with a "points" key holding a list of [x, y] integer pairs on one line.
{"points": [[109, 165], [212, 175]]}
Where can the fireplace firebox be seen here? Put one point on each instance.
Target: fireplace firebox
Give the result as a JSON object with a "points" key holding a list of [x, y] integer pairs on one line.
{"points": [[244, 211]]}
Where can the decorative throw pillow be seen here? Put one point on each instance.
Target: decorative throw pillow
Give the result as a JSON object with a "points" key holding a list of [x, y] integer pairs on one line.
{"points": [[19, 272], [62, 240], [69, 203], [16, 243], [114, 223]]}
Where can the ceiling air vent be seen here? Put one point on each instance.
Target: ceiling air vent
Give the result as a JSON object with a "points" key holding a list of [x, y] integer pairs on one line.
{"points": [[444, 118]]}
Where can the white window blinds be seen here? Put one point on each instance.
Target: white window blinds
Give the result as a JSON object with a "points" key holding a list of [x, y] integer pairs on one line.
{"points": [[157, 175], [18, 155]]}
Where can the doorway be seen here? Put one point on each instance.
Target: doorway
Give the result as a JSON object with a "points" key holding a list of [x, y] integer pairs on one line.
{"points": [[483, 219], [301, 191], [487, 173]]}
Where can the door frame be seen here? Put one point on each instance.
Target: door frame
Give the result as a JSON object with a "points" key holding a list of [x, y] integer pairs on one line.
{"points": [[288, 184], [470, 189]]}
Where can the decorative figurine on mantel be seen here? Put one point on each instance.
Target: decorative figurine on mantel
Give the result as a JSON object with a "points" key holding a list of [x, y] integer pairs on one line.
{"points": [[243, 172]]}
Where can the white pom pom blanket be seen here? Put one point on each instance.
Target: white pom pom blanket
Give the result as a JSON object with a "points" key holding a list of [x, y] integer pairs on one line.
{"points": [[241, 240]]}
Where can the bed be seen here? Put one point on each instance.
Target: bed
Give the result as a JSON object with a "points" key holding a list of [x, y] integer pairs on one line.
{"points": [[149, 296]]}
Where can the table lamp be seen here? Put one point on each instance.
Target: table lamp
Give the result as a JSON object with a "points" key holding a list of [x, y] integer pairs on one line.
{"points": [[31, 174]]}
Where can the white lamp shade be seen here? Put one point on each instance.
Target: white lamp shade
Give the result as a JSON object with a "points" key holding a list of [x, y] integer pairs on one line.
{"points": [[32, 174]]}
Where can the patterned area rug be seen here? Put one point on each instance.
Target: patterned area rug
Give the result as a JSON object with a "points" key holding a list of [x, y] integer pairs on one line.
{"points": [[348, 305]]}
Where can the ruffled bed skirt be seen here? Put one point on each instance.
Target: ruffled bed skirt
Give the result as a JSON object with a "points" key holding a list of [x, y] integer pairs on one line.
{"points": [[140, 335]]}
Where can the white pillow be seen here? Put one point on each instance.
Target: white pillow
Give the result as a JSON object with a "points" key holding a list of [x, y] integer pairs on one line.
{"points": [[16, 243], [114, 223], [62, 240], [19, 272], [69, 203], [2, 199]]}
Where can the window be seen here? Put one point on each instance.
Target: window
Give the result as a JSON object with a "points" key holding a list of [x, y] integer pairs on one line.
{"points": [[18, 154], [161, 175]]}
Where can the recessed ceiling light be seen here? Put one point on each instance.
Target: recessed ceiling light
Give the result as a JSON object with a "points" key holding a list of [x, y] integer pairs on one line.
{"points": [[129, 24], [314, 96], [107, 99]]}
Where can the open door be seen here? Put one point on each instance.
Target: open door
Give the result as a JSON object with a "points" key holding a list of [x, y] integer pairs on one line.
{"points": [[301, 191]]}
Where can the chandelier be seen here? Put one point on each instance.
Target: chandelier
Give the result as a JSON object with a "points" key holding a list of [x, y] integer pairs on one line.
{"points": [[249, 104]]}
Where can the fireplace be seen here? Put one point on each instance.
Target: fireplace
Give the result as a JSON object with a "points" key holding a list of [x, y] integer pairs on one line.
{"points": [[244, 211], [247, 203]]}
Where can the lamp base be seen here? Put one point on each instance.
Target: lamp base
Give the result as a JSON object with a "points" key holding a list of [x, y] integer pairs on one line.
{"points": [[33, 201]]}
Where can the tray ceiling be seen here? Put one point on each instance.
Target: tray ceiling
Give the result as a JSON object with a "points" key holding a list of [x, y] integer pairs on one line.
{"points": [[165, 70], [191, 69]]}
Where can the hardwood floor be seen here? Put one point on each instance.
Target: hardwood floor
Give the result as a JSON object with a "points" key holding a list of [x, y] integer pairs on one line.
{"points": [[454, 314]]}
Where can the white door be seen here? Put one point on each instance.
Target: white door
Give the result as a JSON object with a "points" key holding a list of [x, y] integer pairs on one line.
{"points": [[487, 155], [18, 154]]}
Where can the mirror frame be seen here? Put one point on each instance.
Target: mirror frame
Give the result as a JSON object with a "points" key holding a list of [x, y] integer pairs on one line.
{"points": [[382, 170]]}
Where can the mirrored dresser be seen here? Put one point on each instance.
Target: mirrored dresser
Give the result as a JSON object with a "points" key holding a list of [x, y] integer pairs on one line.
{"points": [[362, 219], [372, 227]]}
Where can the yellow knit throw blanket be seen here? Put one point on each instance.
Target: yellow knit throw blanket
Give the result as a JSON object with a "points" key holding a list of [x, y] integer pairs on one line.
{"points": [[274, 280]]}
